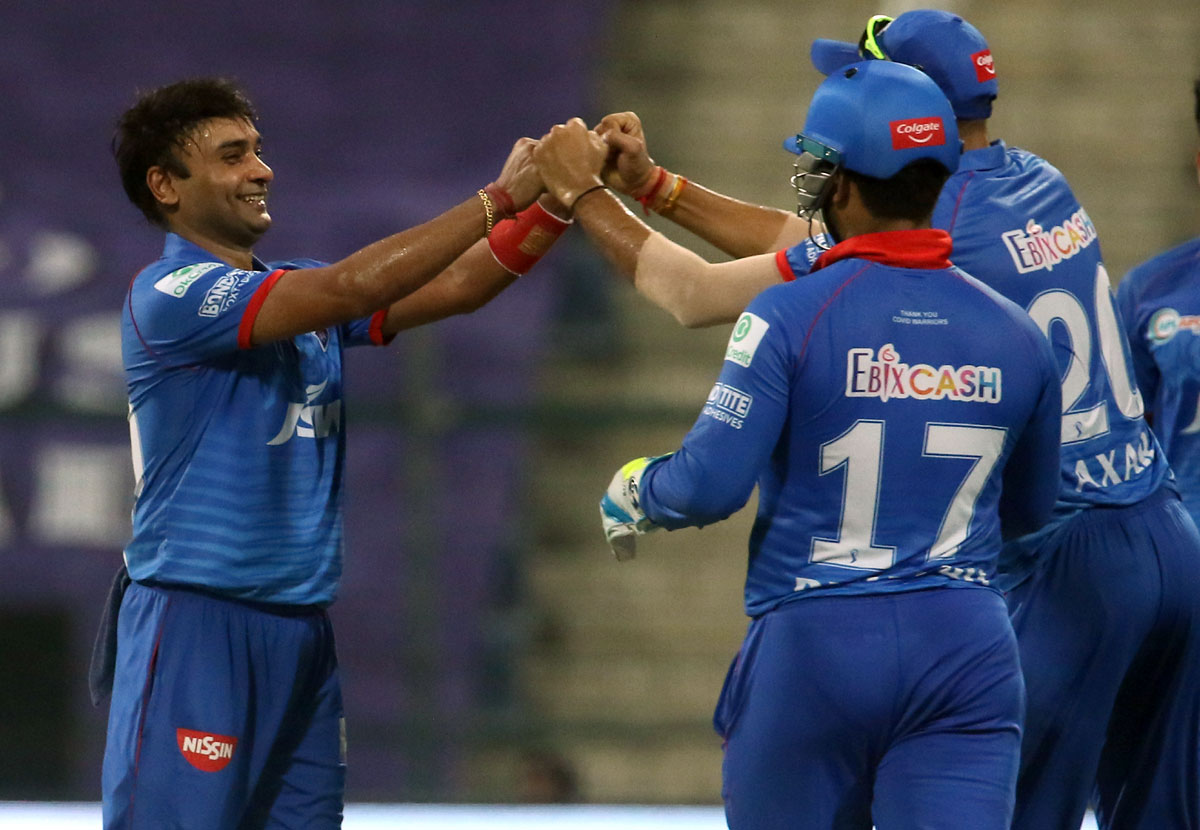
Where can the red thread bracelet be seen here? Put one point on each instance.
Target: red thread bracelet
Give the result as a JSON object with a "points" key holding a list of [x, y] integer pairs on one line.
{"points": [[647, 196]]}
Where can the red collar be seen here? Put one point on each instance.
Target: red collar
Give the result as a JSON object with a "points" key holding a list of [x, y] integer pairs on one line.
{"points": [[925, 248]]}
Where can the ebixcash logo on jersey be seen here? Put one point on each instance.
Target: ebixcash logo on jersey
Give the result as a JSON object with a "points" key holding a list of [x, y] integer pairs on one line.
{"points": [[1035, 248], [872, 373]]}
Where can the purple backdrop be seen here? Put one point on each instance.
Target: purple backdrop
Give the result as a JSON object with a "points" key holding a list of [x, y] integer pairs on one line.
{"points": [[375, 117]]}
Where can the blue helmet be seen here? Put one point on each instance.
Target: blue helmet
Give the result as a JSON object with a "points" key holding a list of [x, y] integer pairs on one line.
{"points": [[873, 118], [942, 45]]}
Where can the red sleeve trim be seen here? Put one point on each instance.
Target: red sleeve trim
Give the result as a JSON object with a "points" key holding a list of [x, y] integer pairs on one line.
{"points": [[246, 327], [785, 267], [375, 330]]}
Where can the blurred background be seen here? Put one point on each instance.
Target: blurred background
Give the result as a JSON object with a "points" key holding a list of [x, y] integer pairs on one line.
{"points": [[491, 649]]}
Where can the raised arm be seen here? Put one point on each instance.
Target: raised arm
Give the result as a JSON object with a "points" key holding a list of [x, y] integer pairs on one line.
{"points": [[395, 267], [696, 292], [478, 276], [738, 228]]}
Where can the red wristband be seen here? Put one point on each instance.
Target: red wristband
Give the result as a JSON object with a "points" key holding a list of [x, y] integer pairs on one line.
{"points": [[647, 197], [502, 199], [518, 243]]}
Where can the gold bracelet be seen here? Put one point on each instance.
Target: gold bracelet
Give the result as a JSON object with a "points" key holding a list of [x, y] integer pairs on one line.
{"points": [[673, 197], [489, 209]]}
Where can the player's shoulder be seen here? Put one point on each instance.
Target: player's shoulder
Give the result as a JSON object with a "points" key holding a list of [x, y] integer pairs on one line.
{"points": [[1166, 266], [1022, 159], [1018, 166], [174, 277], [1005, 309], [822, 282]]}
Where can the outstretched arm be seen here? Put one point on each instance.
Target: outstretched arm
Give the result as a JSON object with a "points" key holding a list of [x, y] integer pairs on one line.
{"points": [[478, 276], [738, 228], [393, 268], [695, 292]]}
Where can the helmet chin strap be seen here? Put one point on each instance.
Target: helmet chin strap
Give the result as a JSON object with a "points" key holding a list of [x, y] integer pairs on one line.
{"points": [[818, 242], [831, 230], [811, 181]]}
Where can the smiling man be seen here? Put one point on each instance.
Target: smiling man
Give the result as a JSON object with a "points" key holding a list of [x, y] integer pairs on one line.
{"points": [[226, 707]]}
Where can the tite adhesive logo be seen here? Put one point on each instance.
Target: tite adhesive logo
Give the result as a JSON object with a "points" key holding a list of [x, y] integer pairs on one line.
{"points": [[985, 67], [205, 751], [917, 132]]}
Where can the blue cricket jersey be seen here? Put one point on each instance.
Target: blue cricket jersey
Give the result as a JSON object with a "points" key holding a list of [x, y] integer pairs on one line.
{"points": [[878, 404], [237, 450], [1017, 226], [1160, 307]]}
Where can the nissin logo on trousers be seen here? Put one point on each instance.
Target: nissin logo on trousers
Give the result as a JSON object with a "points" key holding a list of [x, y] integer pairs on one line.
{"points": [[917, 132], [205, 751]]}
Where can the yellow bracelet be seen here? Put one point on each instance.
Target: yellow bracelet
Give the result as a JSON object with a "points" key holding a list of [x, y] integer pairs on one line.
{"points": [[489, 209], [673, 196]]}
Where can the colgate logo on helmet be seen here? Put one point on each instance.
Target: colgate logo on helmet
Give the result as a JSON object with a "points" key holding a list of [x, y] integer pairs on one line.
{"points": [[917, 132], [204, 750], [985, 67]]}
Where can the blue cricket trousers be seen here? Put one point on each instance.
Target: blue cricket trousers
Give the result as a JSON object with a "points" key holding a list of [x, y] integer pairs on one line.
{"points": [[899, 710], [224, 714]]}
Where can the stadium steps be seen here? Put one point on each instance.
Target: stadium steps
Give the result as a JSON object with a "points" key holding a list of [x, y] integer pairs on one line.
{"points": [[626, 659]]}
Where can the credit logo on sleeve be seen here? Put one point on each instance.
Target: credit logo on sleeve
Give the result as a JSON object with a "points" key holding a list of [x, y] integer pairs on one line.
{"points": [[176, 283], [747, 334], [881, 374], [918, 132], [206, 751]]}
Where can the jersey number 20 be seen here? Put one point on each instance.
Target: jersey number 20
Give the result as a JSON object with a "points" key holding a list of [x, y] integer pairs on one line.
{"points": [[1080, 424]]}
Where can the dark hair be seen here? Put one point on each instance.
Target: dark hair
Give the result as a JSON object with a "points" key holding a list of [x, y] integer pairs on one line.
{"points": [[910, 194], [149, 132]]}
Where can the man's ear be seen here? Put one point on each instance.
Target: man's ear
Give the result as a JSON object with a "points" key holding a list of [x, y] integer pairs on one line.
{"points": [[161, 182], [841, 184]]}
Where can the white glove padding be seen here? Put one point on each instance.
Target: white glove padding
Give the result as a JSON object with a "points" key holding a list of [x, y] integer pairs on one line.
{"points": [[621, 511]]}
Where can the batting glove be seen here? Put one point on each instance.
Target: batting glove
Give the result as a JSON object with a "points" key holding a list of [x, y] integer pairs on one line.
{"points": [[621, 511]]}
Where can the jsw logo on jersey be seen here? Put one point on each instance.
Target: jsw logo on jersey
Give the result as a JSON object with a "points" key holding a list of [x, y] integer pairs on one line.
{"points": [[985, 67], [871, 374], [917, 132], [307, 420], [204, 750], [1033, 249]]}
